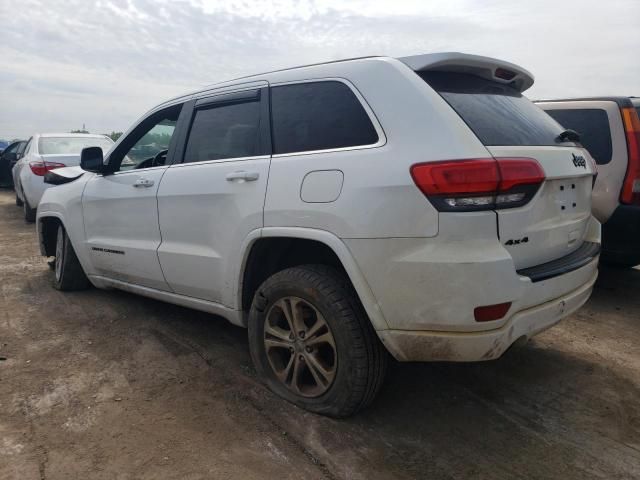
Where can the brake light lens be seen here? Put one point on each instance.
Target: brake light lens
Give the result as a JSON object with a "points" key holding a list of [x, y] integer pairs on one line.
{"points": [[40, 168], [631, 187], [479, 183], [491, 312]]}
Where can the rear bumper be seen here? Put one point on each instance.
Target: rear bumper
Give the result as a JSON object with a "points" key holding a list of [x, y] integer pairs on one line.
{"points": [[423, 346], [427, 290], [621, 235]]}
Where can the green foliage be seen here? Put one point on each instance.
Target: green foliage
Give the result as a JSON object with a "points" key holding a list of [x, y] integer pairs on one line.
{"points": [[80, 131], [114, 135]]}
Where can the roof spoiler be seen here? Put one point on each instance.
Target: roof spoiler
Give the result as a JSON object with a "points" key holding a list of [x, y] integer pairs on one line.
{"points": [[485, 67]]}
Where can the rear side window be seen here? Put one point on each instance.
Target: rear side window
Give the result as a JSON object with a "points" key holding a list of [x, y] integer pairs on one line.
{"points": [[593, 126], [498, 114], [71, 145], [318, 116], [224, 131]]}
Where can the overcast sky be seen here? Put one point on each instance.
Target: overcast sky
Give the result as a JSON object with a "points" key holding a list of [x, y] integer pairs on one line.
{"points": [[104, 63]]}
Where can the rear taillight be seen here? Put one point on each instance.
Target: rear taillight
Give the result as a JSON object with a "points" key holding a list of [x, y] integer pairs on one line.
{"points": [[40, 168], [479, 183], [631, 187]]}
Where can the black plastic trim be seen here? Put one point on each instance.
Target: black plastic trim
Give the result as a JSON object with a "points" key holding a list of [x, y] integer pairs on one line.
{"points": [[252, 95], [52, 178], [587, 252]]}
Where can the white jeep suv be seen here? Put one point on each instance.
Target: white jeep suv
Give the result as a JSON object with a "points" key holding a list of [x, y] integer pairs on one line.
{"points": [[420, 206]]}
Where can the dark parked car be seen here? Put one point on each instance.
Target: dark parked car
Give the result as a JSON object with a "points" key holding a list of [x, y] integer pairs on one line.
{"points": [[8, 159]]}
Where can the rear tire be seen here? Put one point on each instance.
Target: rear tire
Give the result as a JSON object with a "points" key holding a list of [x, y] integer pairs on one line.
{"points": [[68, 273], [335, 369], [29, 213], [18, 201]]}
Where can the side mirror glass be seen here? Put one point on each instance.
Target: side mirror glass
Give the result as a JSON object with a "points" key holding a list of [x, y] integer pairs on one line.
{"points": [[91, 160]]}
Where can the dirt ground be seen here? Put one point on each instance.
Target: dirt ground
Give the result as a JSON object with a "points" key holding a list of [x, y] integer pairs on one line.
{"points": [[108, 385]]}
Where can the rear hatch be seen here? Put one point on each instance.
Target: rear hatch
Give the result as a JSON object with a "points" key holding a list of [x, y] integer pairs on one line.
{"points": [[553, 223]]}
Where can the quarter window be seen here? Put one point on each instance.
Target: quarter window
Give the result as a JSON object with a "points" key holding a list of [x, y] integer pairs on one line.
{"points": [[224, 131], [318, 116], [593, 126]]}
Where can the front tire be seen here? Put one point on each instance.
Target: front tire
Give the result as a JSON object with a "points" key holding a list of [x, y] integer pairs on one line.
{"points": [[68, 273], [313, 344]]}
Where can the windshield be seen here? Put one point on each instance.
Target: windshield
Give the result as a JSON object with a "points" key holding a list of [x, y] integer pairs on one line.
{"points": [[498, 114], [71, 145]]}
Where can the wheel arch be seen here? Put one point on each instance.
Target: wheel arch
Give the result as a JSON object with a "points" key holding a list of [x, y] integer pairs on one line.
{"points": [[46, 226], [264, 255]]}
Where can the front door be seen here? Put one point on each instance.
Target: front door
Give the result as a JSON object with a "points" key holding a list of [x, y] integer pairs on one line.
{"points": [[120, 210], [209, 202]]}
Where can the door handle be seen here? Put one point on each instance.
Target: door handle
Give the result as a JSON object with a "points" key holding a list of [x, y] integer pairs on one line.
{"points": [[143, 182], [242, 175]]}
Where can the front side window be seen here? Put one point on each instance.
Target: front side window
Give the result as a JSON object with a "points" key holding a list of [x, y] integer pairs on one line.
{"points": [[12, 148], [148, 144], [222, 131], [318, 116], [593, 126]]}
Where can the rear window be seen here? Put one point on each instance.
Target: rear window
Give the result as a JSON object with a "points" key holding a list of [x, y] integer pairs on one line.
{"points": [[71, 145], [318, 116], [593, 126], [498, 114]]}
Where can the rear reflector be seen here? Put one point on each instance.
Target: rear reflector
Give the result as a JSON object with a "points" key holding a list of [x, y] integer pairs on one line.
{"points": [[631, 187], [491, 312], [40, 168], [479, 183]]}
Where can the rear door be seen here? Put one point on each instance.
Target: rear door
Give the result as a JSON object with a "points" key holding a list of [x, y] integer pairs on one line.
{"points": [[553, 223], [601, 132], [213, 197]]}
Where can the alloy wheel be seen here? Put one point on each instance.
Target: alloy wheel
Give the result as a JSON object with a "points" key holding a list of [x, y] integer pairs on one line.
{"points": [[300, 347]]}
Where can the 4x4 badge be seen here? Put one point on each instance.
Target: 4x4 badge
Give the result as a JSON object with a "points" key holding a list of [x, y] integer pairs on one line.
{"points": [[579, 161]]}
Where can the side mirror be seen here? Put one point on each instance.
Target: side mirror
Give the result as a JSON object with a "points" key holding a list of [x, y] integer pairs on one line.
{"points": [[91, 160]]}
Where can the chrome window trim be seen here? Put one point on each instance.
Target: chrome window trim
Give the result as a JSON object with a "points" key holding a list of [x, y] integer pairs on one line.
{"points": [[221, 160]]}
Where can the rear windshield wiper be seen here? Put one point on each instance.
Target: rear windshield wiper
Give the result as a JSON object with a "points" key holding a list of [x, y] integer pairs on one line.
{"points": [[568, 135]]}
